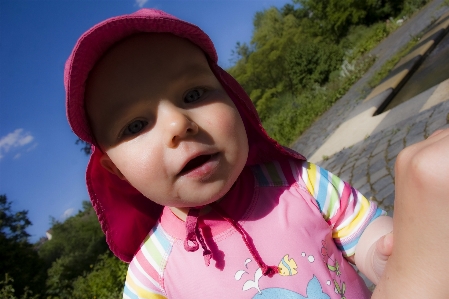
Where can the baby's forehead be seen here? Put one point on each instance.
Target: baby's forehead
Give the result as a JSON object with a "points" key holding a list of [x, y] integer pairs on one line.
{"points": [[160, 52], [155, 45]]}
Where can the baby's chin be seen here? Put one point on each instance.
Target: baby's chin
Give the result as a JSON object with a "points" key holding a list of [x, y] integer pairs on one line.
{"points": [[195, 203], [197, 198]]}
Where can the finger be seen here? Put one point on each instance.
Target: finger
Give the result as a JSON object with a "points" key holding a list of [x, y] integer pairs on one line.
{"points": [[380, 259], [385, 245]]}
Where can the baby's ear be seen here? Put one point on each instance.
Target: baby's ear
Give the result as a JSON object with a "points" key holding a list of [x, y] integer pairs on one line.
{"points": [[107, 164]]}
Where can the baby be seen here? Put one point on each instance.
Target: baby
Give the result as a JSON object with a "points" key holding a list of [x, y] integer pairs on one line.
{"points": [[180, 161]]}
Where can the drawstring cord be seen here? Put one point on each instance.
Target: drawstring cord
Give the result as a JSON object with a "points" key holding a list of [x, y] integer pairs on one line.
{"points": [[194, 235], [266, 270]]}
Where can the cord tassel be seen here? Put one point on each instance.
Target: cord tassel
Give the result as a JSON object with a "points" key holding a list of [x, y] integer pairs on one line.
{"points": [[207, 254], [194, 236]]}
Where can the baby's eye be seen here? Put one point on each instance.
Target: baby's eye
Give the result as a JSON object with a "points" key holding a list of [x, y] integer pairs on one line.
{"points": [[135, 127], [193, 95]]}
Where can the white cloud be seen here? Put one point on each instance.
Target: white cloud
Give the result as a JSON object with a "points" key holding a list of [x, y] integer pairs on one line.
{"points": [[67, 213], [140, 3], [25, 140], [32, 147], [15, 140]]}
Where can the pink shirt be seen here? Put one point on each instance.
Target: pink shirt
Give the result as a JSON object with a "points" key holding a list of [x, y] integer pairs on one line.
{"points": [[289, 228]]}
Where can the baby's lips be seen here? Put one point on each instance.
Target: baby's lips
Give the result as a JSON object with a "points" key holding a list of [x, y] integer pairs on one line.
{"points": [[202, 167], [192, 159], [195, 162]]}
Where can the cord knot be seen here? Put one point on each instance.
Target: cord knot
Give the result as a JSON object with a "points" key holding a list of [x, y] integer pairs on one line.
{"points": [[194, 237]]}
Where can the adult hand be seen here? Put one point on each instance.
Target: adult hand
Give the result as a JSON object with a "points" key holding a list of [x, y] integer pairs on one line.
{"points": [[418, 265]]}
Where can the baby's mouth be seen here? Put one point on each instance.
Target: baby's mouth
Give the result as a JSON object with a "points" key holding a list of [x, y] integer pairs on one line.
{"points": [[195, 163]]}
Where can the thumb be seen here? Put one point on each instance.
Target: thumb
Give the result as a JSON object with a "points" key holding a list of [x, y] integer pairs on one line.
{"points": [[385, 245], [384, 248]]}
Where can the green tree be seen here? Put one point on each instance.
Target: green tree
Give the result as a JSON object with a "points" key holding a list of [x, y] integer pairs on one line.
{"points": [[13, 225], [75, 245], [19, 260], [7, 290], [85, 146], [105, 281], [261, 72], [332, 19], [411, 6], [241, 53], [311, 64]]}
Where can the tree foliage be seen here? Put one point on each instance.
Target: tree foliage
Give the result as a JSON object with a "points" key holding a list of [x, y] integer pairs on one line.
{"points": [[311, 64], [79, 262], [13, 225], [333, 18], [85, 146], [19, 262], [75, 245], [75, 263], [104, 281], [7, 291]]}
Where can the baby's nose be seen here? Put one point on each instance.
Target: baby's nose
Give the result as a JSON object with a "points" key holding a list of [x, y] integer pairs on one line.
{"points": [[178, 127]]}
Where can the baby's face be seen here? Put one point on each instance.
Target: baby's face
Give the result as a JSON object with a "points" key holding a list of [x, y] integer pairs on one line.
{"points": [[164, 121]]}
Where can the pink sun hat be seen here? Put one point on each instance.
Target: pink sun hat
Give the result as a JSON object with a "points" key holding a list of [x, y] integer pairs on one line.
{"points": [[125, 215]]}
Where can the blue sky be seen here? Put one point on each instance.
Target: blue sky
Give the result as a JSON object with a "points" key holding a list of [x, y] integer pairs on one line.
{"points": [[41, 168]]}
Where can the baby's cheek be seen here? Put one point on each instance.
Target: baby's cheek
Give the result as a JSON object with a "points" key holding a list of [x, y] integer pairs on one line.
{"points": [[225, 121]]}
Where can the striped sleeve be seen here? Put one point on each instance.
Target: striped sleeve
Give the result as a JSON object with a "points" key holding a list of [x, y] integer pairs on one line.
{"points": [[145, 272], [345, 209]]}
